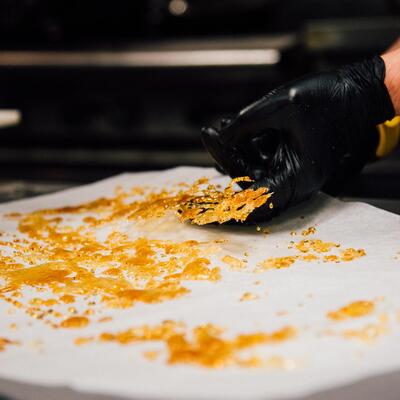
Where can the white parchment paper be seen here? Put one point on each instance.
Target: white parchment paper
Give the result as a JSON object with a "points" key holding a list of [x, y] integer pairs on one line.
{"points": [[299, 296]]}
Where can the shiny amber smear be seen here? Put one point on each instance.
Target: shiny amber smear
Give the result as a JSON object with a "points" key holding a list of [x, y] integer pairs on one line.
{"points": [[200, 203], [356, 309], [63, 256], [204, 346]]}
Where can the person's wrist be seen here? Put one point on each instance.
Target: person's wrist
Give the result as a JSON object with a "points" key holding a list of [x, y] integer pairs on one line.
{"points": [[392, 77]]}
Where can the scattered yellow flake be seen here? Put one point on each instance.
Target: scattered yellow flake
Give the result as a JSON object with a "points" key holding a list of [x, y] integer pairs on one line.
{"points": [[75, 322], [6, 342], [204, 347], [13, 326], [234, 262], [356, 309], [351, 254], [258, 228], [293, 233], [266, 231], [79, 341], [40, 302], [309, 257], [249, 296], [309, 231], [256, 282], [277, 262], [316, 245], [331, 258]]}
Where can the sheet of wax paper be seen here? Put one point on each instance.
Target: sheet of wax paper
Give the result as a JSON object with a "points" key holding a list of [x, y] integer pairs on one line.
{"points": [[324, 354]]}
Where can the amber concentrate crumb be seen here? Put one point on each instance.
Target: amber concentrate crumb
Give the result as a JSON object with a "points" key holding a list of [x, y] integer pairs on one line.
{"points": [[351, 254], [249, 296], [83, 340], [75, 322], [203, 346], [234, 262], [309, 231], [6, 342], [317, 245], [277, 263], [356, 309]]}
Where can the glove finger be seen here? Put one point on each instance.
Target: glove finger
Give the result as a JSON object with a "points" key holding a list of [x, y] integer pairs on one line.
{"points": [[280, 180], [258, 118], [228, 158]]}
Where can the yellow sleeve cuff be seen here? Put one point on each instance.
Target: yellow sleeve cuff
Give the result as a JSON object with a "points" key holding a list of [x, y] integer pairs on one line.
{"points": [[389, 136]]}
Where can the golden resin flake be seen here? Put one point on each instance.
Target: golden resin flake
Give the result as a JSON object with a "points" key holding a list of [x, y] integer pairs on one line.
{"points": [[247, 296], [356, 309], [204, 346], [234, 263], [6, 342], [309, 231], [310, 250], [276, 263], [200, 203]]}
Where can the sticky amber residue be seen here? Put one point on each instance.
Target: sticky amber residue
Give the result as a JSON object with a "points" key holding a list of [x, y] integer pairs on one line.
{"points": [[331, 258], [351, 254], [205, 206], [277, 263], [200, 203], [204, 346], [234, 263], [309, 231], [310, 257], [356, 309], [316, 245], [71, 262]]}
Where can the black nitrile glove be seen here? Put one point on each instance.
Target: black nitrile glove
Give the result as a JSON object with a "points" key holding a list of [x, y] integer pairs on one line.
{"points": [[305, 135]]}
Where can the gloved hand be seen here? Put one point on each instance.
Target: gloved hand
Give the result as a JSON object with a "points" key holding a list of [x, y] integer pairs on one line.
{"points": [[305, 135]]}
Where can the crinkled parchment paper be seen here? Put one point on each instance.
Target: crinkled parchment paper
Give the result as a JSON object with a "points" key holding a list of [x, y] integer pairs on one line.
{"points": [[318, 358]]}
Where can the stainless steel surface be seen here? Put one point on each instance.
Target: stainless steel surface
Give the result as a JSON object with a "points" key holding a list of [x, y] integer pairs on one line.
{"points": [[244, 51], [9, 118], [138, 59]]}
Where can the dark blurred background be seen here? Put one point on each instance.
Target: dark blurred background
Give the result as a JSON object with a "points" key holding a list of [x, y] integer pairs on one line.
{"points": [[109, 86]]}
